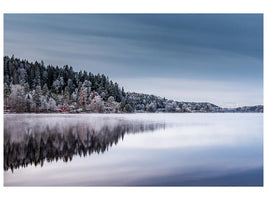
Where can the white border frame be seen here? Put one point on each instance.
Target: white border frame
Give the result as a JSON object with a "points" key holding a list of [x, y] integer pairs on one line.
{"points": [[123, 6]]}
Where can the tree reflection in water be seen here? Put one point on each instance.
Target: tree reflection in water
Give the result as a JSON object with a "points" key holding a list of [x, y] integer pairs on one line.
{"points": [[26, 143]]}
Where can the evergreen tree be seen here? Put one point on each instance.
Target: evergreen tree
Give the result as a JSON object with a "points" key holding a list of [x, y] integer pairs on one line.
{"points": [[122, 92], [26, 88], [128, 108], [29, 102], [37, 98], [45, 90]]}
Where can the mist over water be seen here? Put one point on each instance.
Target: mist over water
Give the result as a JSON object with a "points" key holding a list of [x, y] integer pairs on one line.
{"points": [[33, 141], [133, 149]]}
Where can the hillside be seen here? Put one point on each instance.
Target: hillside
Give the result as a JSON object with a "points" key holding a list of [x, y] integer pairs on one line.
{"points": [[34, 87]]}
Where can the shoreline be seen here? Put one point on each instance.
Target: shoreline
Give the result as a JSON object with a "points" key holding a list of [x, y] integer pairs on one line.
{"points": [[63, 113]]}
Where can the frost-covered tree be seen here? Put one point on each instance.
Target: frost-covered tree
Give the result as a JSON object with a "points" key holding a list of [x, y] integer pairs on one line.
{"points": [[128, 108], [97, 104], [17, 98], [60, 100], [37, 98], [6, 94], [111, 99], [170, 106], [69, 88], [22, 75], [52, 104], [140, 107], [44, 78], [56, 81], [83, 96], [152, 107], [44, 104], [26, 88], [66, 95], [87, 83], [74, 95], [123, 92], [103, 95], [29, 102], [45, 90], [37, 77], [56, 86]]}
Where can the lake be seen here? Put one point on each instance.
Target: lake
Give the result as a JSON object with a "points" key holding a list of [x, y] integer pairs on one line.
{"points": [[159, 149]]}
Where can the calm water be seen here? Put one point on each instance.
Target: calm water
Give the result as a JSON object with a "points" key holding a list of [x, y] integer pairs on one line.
{"points": [[216, 149]]}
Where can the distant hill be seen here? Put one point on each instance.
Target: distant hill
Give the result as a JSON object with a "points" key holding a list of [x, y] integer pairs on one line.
{"points": [[34, 87]]}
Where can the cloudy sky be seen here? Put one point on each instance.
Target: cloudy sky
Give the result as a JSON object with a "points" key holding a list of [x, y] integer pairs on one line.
{"points": [[186, 57]]}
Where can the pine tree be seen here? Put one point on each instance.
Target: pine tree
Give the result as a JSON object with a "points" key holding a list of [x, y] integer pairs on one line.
{"points": [[45, 90], [29, 102], [15, 77], [37, 75], [26, 88], [22, 76], [37, 98], [122, 92]]}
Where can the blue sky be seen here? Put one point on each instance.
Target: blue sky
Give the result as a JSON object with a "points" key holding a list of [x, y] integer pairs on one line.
{"points": [[186, 57]]}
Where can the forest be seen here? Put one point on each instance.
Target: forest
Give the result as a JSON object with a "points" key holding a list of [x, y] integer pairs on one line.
{"points": [[34, 87]]}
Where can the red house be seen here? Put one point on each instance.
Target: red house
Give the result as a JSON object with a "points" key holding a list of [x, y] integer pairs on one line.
{"points": [[63, 108]]}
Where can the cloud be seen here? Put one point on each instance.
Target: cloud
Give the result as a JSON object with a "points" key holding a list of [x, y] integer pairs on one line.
{"points": [[184, 50]]}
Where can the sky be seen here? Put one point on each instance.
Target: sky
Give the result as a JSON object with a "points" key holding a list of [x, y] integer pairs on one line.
{"points": [[216, 58]]}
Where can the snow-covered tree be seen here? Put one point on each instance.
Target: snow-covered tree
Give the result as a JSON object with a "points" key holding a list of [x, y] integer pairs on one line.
{"points": [[66, 95], [52, 104], [22, 75], [128, 108], [152, 107], [6, 94], [44, 104], [170, 106], [37, 77], [97, 104], [45, 90], [29, 102], [26, 88], [17, 98], [60, 100], [37, 98], [74, 95], [83, 96], [111, 99], [56, 86], [87, 83], [69, 88]]}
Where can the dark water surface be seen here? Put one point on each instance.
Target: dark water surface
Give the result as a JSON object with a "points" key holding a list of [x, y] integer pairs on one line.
{"points": [[215, 149]]}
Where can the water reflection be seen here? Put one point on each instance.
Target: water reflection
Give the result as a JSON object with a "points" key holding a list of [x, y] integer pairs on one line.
{"points": [[174, 149], [33, 141]]}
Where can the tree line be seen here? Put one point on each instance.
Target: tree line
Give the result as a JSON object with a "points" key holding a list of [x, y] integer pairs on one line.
{"points": [[34, 87]]}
